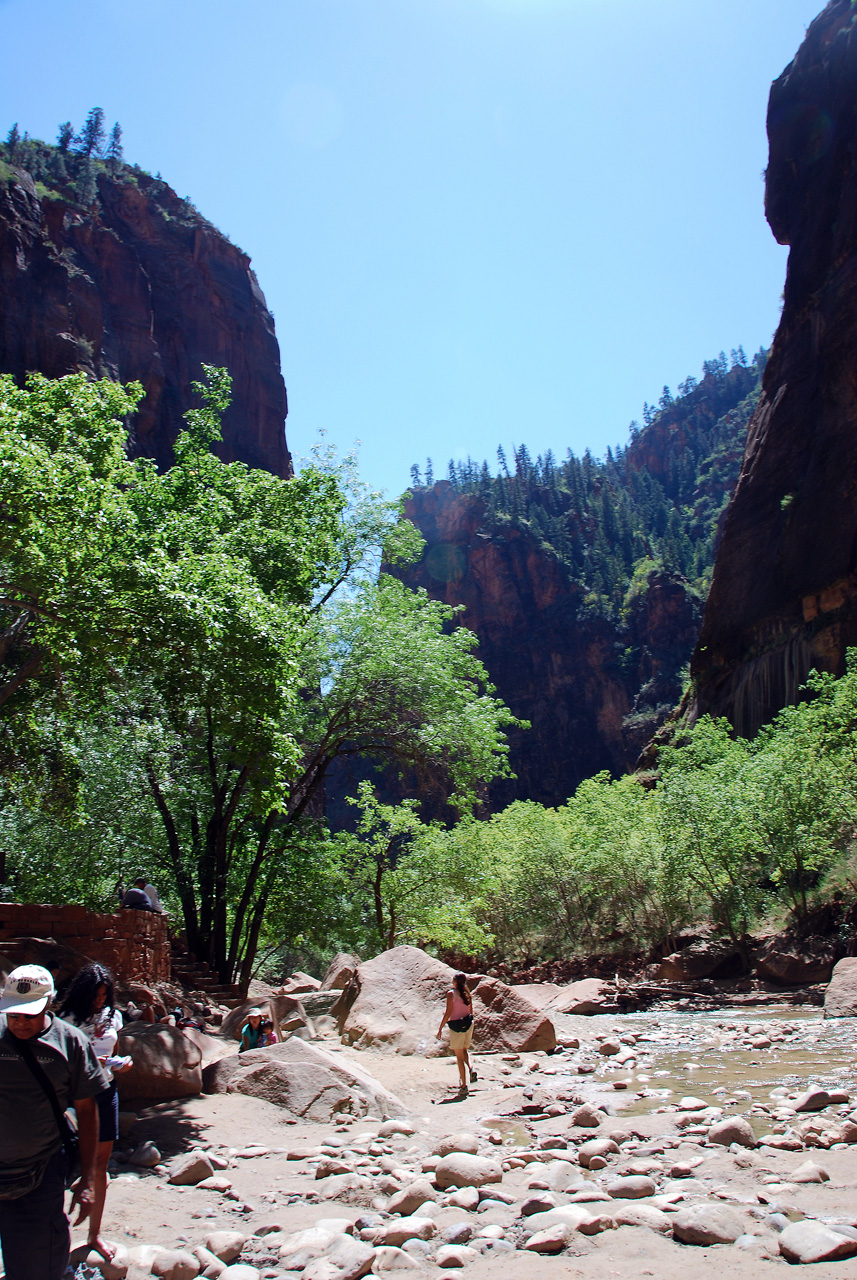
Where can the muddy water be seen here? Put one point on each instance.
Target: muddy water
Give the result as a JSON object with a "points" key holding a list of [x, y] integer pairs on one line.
{"points": [[712, 1057]]}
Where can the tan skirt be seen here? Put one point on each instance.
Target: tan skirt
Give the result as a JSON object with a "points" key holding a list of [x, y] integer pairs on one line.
{"points": [[460, 1039]]}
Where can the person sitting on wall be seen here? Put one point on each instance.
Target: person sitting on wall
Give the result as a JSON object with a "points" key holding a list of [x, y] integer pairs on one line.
{"points": [[137, 898], [151, 893]]}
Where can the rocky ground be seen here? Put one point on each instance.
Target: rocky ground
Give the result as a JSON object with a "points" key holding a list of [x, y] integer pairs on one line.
{"points": [[647, 1145]]}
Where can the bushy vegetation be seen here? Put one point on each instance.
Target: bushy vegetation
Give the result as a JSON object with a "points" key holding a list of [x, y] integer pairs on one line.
{"points": [[184, 655], [71, 169], [654, 504]]}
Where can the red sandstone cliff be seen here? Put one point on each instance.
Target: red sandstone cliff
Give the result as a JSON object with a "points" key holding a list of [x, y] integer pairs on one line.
{"points": [[139, 286], [784, 593], [593, 689]]}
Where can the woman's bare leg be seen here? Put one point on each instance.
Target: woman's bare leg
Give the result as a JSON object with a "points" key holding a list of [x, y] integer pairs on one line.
{"points": [[99, 1195], [460, 1057]]}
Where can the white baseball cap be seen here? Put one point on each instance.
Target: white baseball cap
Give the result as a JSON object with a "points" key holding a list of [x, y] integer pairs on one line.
{"points": [[28, 989]]}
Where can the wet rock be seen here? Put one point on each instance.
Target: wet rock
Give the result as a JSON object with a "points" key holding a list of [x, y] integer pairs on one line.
{"points": [[631, 1188], [451, 1256], [706, 1224], [608, 1048], [840, 998], [813, 1100], [190, 1168], [810, 1241], [463, 1170], [225, 1245], [734, 1129]]}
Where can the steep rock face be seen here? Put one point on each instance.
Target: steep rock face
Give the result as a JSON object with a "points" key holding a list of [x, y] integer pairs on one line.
{"points": [[784, 593], [139, 286], [593, 690]]}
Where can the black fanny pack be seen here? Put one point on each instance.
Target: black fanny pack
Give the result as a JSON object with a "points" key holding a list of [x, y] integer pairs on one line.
{"points": [[461, 1024]]}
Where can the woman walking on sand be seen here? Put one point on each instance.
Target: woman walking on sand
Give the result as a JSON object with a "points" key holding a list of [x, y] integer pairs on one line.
{"points": [[458, 1016]]}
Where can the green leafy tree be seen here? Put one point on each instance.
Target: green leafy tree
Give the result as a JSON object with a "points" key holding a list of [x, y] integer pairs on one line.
{"points": [[417, 883], [710, 827], [65, 135], [65, 532]]}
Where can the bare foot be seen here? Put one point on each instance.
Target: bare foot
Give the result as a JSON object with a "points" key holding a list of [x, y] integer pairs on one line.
{"points": [[102, 1246]]}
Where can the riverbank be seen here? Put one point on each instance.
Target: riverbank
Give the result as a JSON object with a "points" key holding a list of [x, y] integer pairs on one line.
{"points": [[653, 1088]]}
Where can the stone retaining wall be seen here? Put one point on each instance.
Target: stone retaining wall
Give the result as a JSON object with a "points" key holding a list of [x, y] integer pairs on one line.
{"points": [[133, 943]]}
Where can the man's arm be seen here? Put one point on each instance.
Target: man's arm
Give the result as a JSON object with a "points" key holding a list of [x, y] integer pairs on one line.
{"points": [[87, 1133]]}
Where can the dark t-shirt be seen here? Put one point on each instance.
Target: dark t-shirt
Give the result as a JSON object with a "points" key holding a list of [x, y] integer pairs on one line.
{"points": [[28, 1129], [137, 898]]}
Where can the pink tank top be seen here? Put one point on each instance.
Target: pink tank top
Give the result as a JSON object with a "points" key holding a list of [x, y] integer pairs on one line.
{"points": [[460, 1008]]}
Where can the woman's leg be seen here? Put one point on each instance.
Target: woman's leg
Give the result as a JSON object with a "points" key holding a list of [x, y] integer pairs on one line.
{"points": [[99, 1190], [460, 1056]]}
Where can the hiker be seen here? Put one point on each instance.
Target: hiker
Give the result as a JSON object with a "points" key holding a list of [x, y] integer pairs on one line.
{"points": [[46, 1065], [458, 1016], [151, 893], [137, 898], [90, 1005]]}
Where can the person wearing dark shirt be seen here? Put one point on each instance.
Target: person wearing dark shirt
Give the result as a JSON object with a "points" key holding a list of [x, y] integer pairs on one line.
{"points": [[34, 1230]]}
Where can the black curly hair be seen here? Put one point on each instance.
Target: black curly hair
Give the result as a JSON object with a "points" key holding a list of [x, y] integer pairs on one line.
{"points": [[79, 1001]]}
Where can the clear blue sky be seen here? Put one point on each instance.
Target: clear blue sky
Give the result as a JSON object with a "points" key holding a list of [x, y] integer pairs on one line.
{"points": [[475, 221]]}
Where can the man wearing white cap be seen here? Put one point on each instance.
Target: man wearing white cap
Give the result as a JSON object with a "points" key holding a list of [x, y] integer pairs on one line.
{"points": [[34, 1231]]}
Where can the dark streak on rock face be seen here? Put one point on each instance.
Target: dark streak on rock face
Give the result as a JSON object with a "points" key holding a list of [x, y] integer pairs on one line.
{"points": [[784, 593], [140, 287]]}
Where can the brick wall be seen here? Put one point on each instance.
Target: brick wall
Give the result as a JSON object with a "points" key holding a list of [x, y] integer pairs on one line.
{"points": [[133, 943]]}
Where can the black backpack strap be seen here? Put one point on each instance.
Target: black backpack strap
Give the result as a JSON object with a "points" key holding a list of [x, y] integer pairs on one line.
{"points": [[23, 1048]]}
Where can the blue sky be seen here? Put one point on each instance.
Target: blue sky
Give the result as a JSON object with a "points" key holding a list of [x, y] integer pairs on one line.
{"points": [[475, 221]]}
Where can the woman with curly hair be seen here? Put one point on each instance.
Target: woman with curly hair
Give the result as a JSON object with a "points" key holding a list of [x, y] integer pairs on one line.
{"points": [[89, 1005]]}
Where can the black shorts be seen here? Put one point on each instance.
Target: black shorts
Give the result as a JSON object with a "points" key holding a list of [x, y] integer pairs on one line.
{"points": [[108, 1114]]}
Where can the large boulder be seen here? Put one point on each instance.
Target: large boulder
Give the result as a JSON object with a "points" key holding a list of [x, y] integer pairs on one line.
{"points": [[786, 962], [303, 1079], [340, 971], [840, 998], [588, 996], [400, 996], [165, 1062], [705, 958]]}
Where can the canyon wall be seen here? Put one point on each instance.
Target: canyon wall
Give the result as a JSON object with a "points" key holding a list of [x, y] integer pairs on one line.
{"points": [[784, 593], [593, 689], [136, 285]]}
